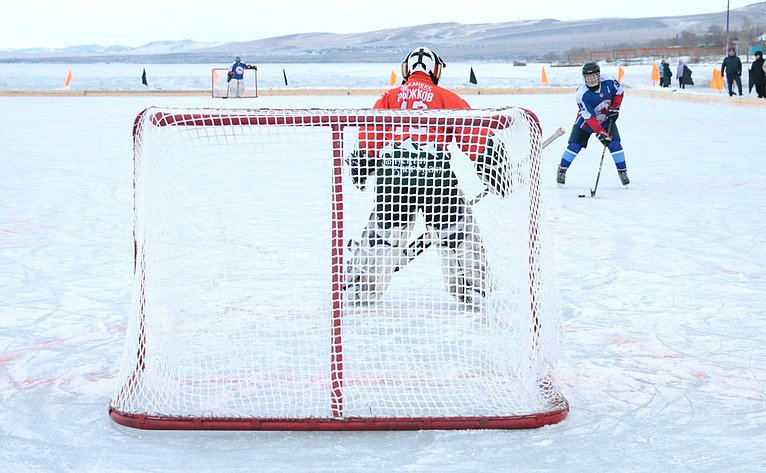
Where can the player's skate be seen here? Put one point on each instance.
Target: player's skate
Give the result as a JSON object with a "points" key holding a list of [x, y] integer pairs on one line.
{"points": [[623, 173], [561, 176], [371, 262]]}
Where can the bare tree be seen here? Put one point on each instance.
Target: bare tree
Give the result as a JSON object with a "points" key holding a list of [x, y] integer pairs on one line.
{"points": [[688, 39], [552, 57], [715, 35], [749, 31]]}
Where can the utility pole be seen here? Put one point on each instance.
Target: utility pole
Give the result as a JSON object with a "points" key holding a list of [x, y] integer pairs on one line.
{"points": [[726, 46]]}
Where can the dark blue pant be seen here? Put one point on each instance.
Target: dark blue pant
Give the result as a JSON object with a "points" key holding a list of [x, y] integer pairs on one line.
{"points": [[730, 81]]}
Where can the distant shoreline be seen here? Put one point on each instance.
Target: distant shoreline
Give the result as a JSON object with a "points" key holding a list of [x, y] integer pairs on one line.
{"points": [[661, 93]]}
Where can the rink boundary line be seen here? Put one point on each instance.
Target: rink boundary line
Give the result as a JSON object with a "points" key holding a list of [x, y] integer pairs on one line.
{"points": [[666, 94], [674, 94]]}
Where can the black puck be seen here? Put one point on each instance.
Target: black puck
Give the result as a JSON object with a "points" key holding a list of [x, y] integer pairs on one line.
{"points": [[581, 195]]}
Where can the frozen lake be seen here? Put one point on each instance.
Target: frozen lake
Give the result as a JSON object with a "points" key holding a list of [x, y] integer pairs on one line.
{"points": [[663, 288], [45, 76]]}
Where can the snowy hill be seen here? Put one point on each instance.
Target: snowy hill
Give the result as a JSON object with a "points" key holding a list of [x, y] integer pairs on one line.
{"points": [[95, 50], [460, 42]]}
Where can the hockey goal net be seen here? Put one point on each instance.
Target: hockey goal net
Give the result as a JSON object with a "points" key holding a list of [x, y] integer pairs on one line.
{"points": [[221, 88], [273, 293]]}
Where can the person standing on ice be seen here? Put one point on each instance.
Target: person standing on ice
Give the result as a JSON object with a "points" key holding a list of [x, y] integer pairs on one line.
{"points": [[680, 73], [410, 166], [237, 76], [732, 67], [598, 102], [758, 75], [665, 74]]}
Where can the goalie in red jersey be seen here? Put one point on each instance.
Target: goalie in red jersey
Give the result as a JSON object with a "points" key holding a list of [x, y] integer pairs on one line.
{"points": [[410, 166]]}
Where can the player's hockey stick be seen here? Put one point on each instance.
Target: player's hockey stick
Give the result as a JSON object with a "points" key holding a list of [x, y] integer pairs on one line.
{"points": [[598, 176], [544, 144], [420, 244]]}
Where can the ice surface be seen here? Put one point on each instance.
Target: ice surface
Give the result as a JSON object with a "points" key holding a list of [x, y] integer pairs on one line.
{"points": [[663, 290]]}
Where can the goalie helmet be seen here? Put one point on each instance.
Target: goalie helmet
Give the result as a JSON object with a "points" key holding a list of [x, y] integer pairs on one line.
{"points": [[591, 73], [425, 60]]}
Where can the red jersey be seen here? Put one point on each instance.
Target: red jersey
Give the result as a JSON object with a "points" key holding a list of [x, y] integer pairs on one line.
{"points": [[420, 93]]}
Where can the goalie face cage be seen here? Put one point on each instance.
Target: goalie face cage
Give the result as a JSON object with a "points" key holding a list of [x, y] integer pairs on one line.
{"points": [[220, 88], [241, 315]]}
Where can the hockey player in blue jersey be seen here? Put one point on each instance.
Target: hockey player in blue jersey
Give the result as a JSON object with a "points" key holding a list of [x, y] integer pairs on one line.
{"points": [[598, 100], [236, 75]]}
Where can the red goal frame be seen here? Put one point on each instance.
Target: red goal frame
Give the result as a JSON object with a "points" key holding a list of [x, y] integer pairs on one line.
{"points": [[263, 117]]}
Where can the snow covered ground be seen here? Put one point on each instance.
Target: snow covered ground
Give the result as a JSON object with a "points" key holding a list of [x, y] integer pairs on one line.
{"points": [[663, 290]]}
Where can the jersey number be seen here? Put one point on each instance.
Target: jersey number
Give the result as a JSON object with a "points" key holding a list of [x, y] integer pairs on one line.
{"points": [[417, 105]]}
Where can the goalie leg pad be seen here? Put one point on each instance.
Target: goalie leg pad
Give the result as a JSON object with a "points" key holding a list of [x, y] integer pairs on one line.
{"points": [[464, 261], [372, 260]]}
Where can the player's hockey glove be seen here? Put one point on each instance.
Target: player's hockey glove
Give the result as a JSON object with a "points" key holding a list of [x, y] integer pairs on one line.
{"points": [[360, 166], [604, 138], [493, 168], [612, 114]]}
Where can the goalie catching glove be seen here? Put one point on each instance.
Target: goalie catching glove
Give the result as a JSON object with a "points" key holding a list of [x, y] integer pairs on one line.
{"points": [[360, 166], [493, 168]]}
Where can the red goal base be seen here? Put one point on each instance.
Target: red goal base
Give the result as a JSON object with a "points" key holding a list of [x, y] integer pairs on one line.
{"points": [[531, 421]]}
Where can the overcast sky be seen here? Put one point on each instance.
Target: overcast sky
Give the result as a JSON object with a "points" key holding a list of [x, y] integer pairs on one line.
{"points": [[58, 23]]}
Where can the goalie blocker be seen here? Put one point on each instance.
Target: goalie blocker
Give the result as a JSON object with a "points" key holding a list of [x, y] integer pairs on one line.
{"points": [[413, 177]]}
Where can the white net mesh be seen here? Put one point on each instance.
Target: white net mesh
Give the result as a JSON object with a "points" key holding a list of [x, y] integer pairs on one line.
{"points": [[271, 292]]}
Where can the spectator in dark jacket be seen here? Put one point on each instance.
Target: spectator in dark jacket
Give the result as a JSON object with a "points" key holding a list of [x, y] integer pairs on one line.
{"points": [[680, 73], [665, 73], [686, 77], [758, 75], [732, 66]]}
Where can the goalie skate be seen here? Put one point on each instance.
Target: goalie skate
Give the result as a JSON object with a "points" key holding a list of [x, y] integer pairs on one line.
{"points": [[464, 262]]}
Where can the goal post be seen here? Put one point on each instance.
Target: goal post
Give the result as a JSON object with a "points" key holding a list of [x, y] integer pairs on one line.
{"points": [[219, 85], [255, 235]]}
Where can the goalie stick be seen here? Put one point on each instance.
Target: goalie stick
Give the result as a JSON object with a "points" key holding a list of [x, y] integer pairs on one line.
{"points": [[420, 244]]}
